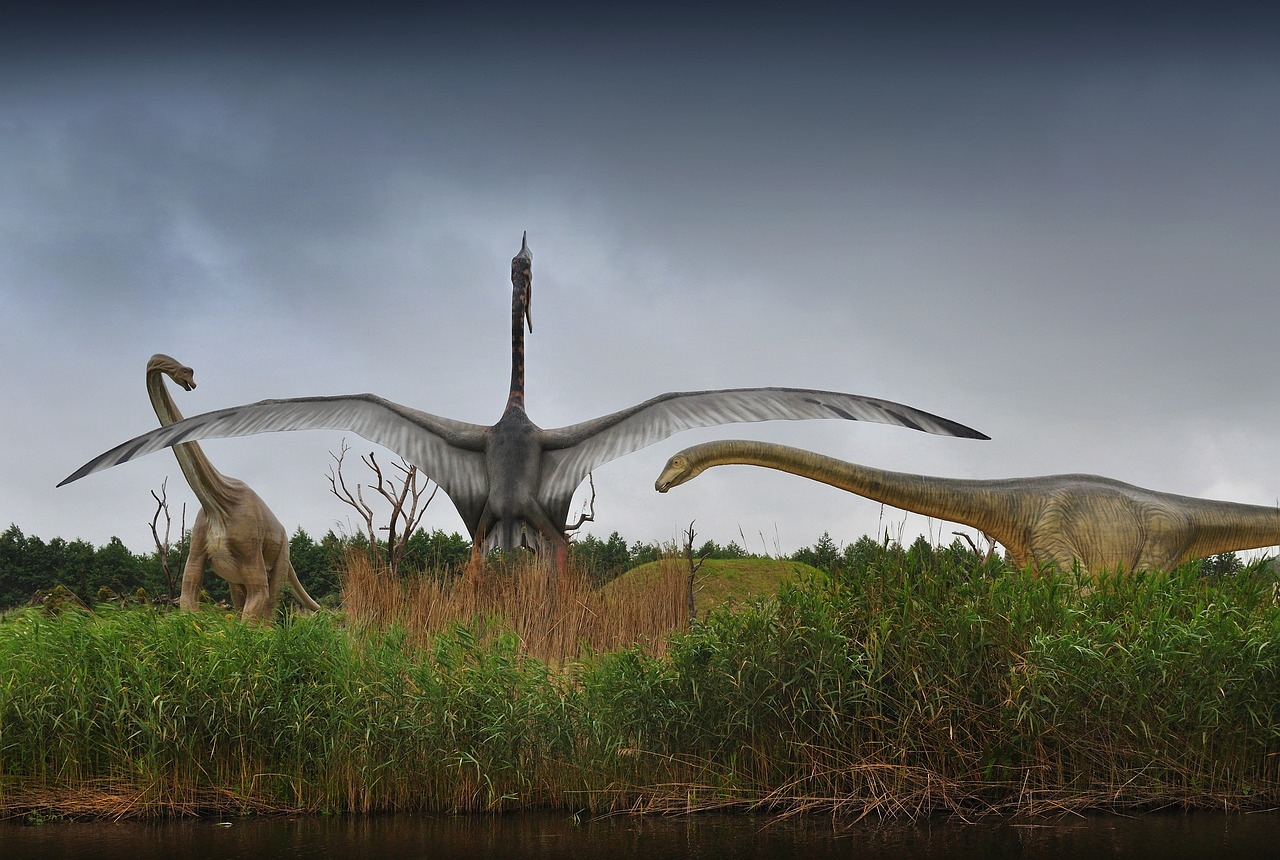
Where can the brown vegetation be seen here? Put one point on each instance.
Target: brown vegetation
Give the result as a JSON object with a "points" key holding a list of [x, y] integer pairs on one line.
{"points": [[554, 617]]}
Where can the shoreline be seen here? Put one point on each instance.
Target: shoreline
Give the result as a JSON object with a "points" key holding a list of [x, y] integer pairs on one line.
{"points": [[910, 687]]}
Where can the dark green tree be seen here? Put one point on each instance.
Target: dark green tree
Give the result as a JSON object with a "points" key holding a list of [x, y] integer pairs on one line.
{"points": [[860, 555], [643, 553], [436, 551], [19, 575], [76, 568], [118, 568], [824, 555], [603, 560], [1222, 564], [710, 549], [311, 563], [921, 556]]}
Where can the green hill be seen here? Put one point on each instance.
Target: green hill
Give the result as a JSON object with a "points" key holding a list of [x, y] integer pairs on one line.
{"points": [[720, 582]]}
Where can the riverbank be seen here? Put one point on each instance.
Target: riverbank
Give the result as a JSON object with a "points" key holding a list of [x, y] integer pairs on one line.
{"points": [[906, 687], [540, 835]]}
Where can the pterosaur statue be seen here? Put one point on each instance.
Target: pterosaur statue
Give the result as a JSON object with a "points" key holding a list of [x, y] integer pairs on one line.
{"points": [[1047, 521], [513, 483]]}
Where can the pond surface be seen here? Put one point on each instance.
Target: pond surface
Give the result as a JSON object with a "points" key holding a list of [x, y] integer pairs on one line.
{"points": [[1164, 836]]}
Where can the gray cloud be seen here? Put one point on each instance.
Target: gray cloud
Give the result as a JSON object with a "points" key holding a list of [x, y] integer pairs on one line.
{"points": [[1065, 243]]}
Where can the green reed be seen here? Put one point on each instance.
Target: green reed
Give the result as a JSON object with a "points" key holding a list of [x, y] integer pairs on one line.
{"points": [[903, 691], [900, 688]]}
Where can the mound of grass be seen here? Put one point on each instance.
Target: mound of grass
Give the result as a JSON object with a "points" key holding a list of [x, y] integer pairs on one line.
{"points": [[721, 583]]}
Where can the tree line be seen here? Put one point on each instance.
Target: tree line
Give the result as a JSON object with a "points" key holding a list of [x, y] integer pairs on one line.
{"points": [[30, 565]]}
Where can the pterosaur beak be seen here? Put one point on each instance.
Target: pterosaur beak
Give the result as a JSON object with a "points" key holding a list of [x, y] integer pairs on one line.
{"points": [[522, 266]]}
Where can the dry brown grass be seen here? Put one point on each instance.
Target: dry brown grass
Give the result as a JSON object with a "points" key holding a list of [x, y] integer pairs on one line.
{"points": [[123, 799], [554, 617]]}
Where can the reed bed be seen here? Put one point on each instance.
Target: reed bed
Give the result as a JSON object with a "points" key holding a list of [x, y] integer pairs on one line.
{"points": [[554, 617], [894, 690]]}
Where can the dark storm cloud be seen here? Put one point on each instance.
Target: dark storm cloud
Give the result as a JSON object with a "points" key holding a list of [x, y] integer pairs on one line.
{"points": [[1056, 227], [516, 30]]}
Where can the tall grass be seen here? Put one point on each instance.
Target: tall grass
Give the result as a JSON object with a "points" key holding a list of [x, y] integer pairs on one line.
{"points": [[902, 692], [554, 617], [901, 688], [192, 713]]}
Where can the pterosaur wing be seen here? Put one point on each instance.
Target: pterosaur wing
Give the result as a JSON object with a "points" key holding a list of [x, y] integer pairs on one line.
{"points": [[573, 451], [449, 452]]}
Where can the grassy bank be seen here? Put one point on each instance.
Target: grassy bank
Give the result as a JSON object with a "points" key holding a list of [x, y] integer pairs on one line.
{"points": [[902, 688], [720, 583]]}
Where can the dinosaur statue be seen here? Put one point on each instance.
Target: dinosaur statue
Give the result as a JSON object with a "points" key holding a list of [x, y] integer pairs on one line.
{"points": [[513, 482], [234, 531], [1050, 521]]}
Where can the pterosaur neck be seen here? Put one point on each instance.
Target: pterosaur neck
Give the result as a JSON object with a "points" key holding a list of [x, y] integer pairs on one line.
{"points": [[521, 292], [516, 398]]}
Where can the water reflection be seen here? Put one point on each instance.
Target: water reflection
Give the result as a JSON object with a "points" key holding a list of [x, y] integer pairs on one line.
{"points": [[1164, 836]]}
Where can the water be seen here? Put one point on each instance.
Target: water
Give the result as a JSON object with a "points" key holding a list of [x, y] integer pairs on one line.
{"points": [[1164, 836]]}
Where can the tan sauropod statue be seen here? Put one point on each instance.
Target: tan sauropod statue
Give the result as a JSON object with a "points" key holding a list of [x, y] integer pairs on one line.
{"points": [[1049, 521], [234, 532]]}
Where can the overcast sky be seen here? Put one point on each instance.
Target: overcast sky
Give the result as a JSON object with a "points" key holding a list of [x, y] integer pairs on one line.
{"points": [[1062, 231]]}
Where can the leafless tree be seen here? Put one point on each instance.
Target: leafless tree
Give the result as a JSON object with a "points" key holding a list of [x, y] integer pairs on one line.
{"points": [[694, 567], [589, 510], [162, 546], [991, 545], [403, 492]]}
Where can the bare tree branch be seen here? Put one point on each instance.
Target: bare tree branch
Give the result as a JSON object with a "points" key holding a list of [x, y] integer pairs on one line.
{"points": [[991, 545], [162, 546], [338, 486], [403, 493], [694, 567], [586, 517], [399, 493]]}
